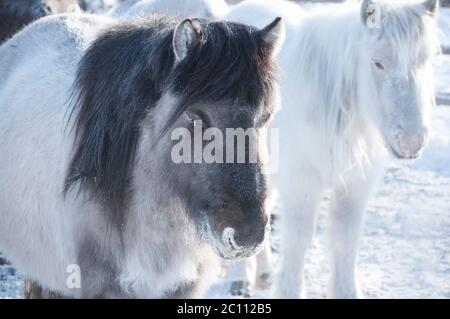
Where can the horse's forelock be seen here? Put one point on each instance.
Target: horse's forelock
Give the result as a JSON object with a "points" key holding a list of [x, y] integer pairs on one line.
{"points": [[228, 56], [407, 29]]}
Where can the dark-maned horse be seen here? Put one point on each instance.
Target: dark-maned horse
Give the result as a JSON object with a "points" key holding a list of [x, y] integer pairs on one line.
{"points": [[92, 203]]}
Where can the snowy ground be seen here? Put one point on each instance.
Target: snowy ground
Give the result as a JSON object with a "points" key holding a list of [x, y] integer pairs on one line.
{"points": [[406, 246]]}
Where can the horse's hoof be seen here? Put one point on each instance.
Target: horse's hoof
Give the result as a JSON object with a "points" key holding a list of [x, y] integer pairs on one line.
{"points": [[263, 281], [240, 288]]}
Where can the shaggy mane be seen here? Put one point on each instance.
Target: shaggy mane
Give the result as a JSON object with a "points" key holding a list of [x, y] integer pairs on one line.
{"points": [[125, 72]]}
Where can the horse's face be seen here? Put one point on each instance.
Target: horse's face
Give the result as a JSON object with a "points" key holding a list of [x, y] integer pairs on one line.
{"points": [[225, 198], [399, 60]]}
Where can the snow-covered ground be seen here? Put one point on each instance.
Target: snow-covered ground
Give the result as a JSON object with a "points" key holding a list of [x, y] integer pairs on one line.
{"points": [[405, 251], [11, 284]]}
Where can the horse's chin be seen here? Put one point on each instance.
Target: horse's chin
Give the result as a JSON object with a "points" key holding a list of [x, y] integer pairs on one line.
{"points": [[400, 156], [233, 255]]}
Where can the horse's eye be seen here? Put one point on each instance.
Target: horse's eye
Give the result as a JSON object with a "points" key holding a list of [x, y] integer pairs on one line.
{"points": [[379, 65], [197, 120]]}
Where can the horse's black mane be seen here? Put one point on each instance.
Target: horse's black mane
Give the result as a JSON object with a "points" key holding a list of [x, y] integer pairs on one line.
{"points": [[124, 73]]}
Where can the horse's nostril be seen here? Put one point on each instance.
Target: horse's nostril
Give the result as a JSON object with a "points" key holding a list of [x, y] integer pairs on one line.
{"points": [[228, 238], [399, 134]]}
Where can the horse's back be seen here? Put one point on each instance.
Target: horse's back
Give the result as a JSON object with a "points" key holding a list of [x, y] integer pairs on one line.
{"points": [[259, 13], [37, 69], [191, 8], [55, 41], [38, 66]]}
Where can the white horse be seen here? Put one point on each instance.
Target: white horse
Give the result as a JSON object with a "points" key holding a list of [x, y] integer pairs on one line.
{"points": [[190, 8], [357, 89]]}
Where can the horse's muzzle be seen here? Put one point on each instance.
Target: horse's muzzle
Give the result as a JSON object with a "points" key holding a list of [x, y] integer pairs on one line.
{"points": [[227, 247], [408, 145]]}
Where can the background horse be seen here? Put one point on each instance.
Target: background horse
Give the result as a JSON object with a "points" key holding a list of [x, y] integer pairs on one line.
{"points": [[357, 88], [16, 14], [90, 187], [191, 8]]}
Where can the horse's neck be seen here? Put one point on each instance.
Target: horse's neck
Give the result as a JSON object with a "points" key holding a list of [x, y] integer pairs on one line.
{"points": [[154, 208], [161, 245]]}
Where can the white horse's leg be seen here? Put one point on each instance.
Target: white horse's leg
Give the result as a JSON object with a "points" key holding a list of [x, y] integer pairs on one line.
{"points": [[264, 267], [241, 276], [346, 223], [297, 221]]}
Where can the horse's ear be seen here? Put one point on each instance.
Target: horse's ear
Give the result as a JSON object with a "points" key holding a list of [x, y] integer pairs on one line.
{"points": [[370, 14], [431, 7], [185, 36], [274, 34]]}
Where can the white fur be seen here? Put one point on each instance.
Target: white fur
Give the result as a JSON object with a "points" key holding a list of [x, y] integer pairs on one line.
{"points": [[183, 8], [338, 115], [34, 230], [39, 228]]}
